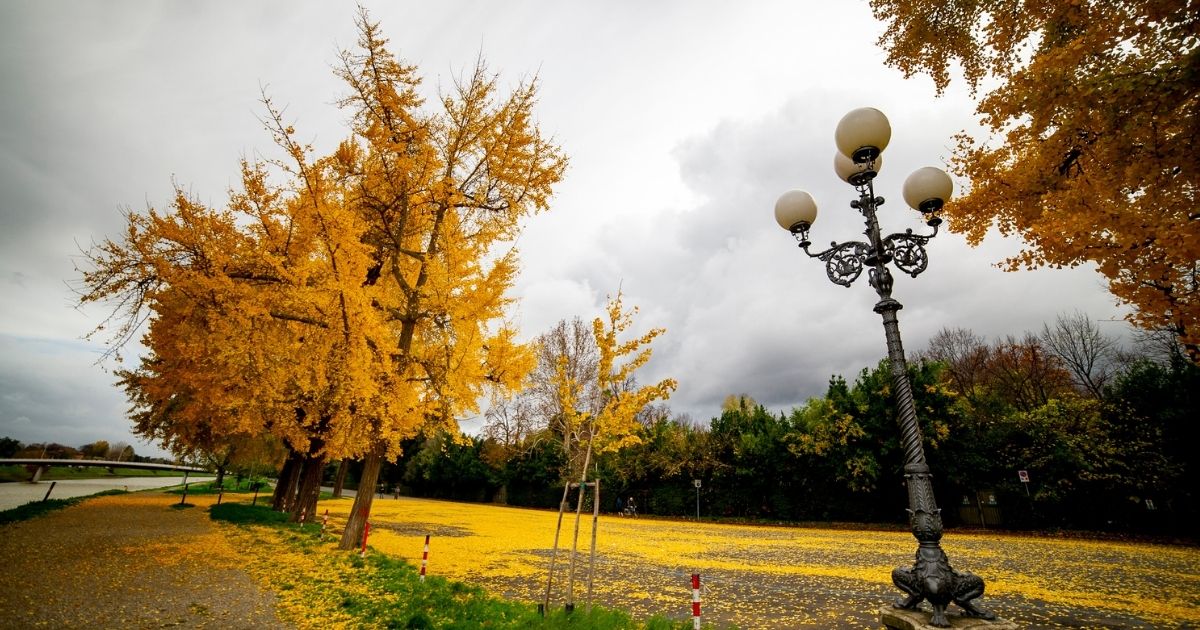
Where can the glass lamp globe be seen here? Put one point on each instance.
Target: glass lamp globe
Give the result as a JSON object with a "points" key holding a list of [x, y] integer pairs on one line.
{"points": [[795, 210], [855, 173], [927, 189], [863, 134]]}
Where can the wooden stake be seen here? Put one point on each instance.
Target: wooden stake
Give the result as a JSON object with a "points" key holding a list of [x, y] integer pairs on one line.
{"points": [[595, 523], [554, 553], [587, 460]]}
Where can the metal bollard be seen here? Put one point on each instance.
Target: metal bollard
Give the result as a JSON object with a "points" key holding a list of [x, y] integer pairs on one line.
{"points": [[425, 557]]}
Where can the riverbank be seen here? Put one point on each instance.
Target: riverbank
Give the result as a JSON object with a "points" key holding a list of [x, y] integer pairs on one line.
{"points": [[18, 493]]}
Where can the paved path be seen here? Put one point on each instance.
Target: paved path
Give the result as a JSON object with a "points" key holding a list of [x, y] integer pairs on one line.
{"points": [[127, 561], [17, 493]]}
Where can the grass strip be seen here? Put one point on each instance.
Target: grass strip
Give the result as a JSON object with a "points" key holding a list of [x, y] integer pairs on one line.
{"points": [[316, 585], [210, 487], [38, 508], [67, 472]]}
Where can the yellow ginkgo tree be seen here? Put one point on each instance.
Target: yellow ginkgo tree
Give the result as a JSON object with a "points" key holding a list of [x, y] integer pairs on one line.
{"points": [[441, 191], [603, 417], [354, 304]]}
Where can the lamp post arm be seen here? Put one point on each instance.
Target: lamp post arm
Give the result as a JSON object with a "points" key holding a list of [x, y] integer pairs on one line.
{"points": [[924, 238], [843, 261], [907, 250]]}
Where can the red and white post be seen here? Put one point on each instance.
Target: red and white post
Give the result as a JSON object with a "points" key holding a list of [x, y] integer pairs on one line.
{"points": [[366, 532], [425, 557], [696, 601]]}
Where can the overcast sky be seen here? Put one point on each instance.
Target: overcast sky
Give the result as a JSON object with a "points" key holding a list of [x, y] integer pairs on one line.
{"points": [[684, 121]]}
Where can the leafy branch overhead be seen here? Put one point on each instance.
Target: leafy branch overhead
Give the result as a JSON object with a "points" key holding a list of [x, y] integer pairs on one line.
{"points": [[1092, 120]]}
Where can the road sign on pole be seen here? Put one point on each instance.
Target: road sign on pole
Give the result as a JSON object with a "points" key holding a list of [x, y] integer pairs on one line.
{"points": [[1023, 475]]}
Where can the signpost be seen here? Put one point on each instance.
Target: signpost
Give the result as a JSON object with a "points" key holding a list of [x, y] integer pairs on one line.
{"points": [[696, 482], [1023, 475]]}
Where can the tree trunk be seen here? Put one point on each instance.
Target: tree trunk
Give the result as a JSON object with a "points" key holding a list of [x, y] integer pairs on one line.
{"points": [[220, 483], [361, 510], [340, 479], [309, 490], [285, 490]]}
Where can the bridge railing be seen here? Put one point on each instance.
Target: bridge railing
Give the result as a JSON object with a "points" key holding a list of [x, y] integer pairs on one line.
{"points": [[43, 464]]}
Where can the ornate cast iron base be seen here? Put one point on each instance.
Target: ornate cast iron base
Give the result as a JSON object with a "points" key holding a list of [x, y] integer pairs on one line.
{"points": [[932, 579]]}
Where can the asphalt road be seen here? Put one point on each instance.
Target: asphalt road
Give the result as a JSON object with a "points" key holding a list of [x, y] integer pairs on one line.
{"points": [[17, 493]]}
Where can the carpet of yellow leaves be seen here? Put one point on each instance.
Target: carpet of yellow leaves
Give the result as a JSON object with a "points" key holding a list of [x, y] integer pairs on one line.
{"points": [[303, 578], [772, 577]]}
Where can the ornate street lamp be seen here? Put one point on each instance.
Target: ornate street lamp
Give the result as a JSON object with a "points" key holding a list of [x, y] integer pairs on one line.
{"points": [[861, 136]]}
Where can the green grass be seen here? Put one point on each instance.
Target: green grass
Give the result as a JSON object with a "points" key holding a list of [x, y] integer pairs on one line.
{"points": [[246, 514], [210, 487], [38, 508], [441, 603], [60, 473], [397, 598]]}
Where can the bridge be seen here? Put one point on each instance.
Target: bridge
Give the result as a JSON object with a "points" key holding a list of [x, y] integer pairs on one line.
{"points": [[43, 464]]}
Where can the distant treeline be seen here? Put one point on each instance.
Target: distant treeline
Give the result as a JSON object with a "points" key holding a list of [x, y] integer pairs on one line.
{"points": [[1107, 442], [100, 449]]}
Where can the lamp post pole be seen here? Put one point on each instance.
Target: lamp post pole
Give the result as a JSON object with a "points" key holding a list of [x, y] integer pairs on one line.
{"points": [[861, 137]]}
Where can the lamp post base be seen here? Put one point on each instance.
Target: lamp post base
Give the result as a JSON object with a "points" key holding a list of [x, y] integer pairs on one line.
{"points": [[932, 579], [901, 619]]}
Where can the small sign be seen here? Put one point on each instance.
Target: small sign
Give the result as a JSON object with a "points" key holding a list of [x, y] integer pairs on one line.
{"points": [[1023, 475], [696, 482], [1150, 504]]}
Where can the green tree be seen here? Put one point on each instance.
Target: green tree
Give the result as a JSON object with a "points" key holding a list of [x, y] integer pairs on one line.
{"points": [[751, 471], [9, 446], [96, 450], [1157, 403], [660, 467], [449, 468], [850, 440], [47, 450], [534, 478]]}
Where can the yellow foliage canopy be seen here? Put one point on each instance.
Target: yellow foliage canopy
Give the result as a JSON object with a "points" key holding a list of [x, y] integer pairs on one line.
{"points": [[1094, 122], [610, 421], [357, 303], [621, 400]]}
